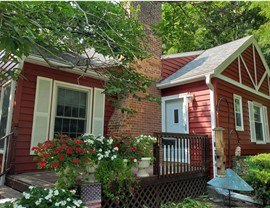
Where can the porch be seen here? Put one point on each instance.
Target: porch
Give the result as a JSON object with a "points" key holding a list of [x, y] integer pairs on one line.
{"points": [[181, 169]]}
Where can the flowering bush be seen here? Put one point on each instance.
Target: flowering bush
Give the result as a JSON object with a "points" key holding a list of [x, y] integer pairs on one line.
{"points": [[144, 145], [126, 147], [66, 156], [44, 197], [100, 147]]}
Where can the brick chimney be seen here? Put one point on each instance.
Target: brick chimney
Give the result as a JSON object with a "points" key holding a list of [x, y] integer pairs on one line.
{"points": [[148, 117]]}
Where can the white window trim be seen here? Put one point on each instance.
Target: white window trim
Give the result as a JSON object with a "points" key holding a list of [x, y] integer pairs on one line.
{"points": [[238, 128], [265, 126], [89, 92], [185, 97]]}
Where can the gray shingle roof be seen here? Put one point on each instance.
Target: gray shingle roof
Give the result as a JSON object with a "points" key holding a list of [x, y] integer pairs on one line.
{"points": [[206, 63]]}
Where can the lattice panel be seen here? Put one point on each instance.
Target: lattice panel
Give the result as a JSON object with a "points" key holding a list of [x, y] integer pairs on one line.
{"points": [[152, 195]]}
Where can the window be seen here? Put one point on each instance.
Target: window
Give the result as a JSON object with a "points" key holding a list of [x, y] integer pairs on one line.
{"points": [[238, 113], [5, 106], [71, 109], [259, 128], [67, 109]]}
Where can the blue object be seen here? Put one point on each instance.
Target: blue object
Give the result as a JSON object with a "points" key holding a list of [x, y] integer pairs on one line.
{"points": [[231, 181]]}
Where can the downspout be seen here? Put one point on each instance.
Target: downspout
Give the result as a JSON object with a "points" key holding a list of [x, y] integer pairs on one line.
{"points": [[213, 118]]}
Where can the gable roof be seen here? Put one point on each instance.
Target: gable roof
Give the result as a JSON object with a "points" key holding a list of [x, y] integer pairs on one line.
{"points": [[210, 62]]}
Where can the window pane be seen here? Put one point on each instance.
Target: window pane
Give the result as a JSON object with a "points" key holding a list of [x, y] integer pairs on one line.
{"points": [[238, 119], [176, 116], [71, 112], [259, 131], [4, 116]]}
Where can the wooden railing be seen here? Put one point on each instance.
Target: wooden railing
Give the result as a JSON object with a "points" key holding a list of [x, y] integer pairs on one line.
{"points": [[180, 153]]}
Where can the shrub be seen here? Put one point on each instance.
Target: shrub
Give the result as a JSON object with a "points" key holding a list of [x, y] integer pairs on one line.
{"points": [[259, 176], [44, 197], [189, 203]]}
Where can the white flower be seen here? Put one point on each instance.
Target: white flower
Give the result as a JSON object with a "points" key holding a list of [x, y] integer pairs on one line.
{"points": [[31, 187], [56, 192], [135, 160], [116, 148], [57, 204], [26, 195], [63, 203], [77, 202], [49, 196], [38, 201], [68, 199], [73, 192]]}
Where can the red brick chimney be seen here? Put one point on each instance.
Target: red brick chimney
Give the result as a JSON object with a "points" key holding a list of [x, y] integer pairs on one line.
{"points": [[148, 117]]}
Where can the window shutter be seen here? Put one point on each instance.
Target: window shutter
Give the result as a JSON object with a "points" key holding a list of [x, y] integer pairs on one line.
{"points": [[41, 118], [98, 112], [266, 124], [251, 122]]}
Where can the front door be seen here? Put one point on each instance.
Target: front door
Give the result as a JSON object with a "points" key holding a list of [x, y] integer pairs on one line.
{"points": [[174, 116], [175, 122]]}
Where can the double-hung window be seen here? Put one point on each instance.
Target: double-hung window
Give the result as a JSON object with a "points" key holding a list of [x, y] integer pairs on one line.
{"points": [[258, 118], [64, 108], [238, 113]]}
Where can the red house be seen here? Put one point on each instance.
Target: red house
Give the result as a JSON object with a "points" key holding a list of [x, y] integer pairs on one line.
{"points": [[194, 83]]}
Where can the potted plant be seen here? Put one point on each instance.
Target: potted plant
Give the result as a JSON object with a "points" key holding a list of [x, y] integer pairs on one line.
{"points": [[66, 156], [144, 147], [44, 197], [107, 155]]}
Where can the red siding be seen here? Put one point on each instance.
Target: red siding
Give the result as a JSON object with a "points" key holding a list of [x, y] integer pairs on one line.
{"points": [[199, 111], [171, 65], [223, 89], [232, 71], [24, 107]]}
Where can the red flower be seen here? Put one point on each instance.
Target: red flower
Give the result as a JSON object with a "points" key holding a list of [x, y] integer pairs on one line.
{"points": [[127, 143], [46, 155], [63, 141], [75, 160], [91, 150], [42, 163], [78, 141], [56, 164], [34, 148], [69, 150], [79, 150], [131, 148], [61, 157]]}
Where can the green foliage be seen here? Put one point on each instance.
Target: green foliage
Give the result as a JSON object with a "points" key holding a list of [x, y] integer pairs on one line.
{"points": [[189, 26], [51, 28], [259, 176], [45, 198], [189, 203], [117, 179]]}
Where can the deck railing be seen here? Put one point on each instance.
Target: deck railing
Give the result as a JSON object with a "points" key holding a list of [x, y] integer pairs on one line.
{"points": [[180, 153]]}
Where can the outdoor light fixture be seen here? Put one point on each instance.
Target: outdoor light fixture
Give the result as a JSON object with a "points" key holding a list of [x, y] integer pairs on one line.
{"points": [[229, 180]]}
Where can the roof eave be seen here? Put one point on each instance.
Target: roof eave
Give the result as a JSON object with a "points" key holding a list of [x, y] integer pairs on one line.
{"points": [[40, 61], [180, 82]]}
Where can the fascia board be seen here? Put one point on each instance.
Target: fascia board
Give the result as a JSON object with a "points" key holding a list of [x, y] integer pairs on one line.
{"points": [[76, 70], [181, 82]]}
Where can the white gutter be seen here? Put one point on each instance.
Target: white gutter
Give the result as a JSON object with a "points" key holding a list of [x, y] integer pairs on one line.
{"points": [[213, 118]]}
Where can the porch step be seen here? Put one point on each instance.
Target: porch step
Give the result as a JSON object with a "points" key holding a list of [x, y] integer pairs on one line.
{"points": [[8, 193]]}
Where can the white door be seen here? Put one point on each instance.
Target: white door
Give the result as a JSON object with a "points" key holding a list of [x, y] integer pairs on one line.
{"points": [[174, 116], [176, 122]]}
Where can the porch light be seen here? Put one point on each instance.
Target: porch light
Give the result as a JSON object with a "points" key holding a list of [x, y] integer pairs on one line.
{"points": [[220, 154], [190, 98]]}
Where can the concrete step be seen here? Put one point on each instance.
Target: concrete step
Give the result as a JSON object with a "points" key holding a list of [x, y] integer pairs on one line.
{"points": [[8, 193]]}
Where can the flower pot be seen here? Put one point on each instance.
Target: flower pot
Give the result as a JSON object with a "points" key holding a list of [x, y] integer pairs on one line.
{"points": [[91, 169], [142, 166]]}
